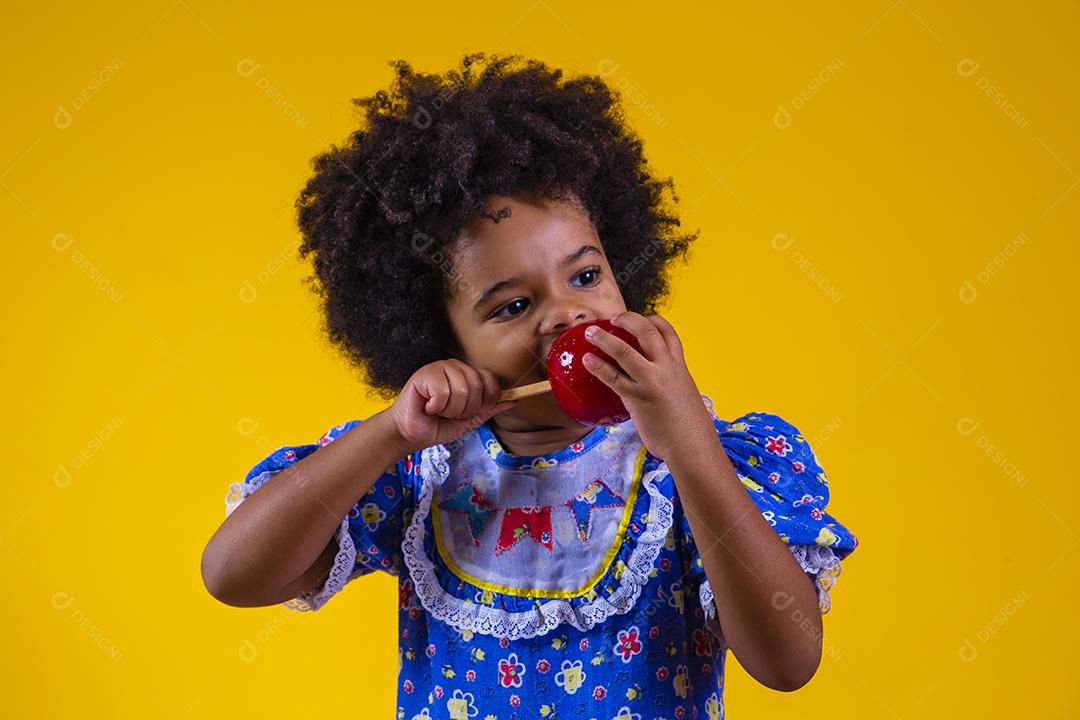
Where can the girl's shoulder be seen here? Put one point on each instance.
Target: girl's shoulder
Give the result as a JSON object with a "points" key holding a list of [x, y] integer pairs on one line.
{"points": [[778, 466]]}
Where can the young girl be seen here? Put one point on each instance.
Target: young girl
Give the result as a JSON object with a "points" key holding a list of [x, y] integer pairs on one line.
{"points": [[545, 568]]}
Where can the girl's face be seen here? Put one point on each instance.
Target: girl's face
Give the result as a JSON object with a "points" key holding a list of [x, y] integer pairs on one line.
{"points": [[519, 283]]}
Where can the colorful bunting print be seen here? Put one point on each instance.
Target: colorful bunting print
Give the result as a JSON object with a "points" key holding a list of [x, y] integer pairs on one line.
{"points": [[581, 505], [468, 499], [519, 522], [529, 521]]}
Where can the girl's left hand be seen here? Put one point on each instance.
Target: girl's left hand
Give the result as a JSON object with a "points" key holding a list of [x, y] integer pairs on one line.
{"points": [[655, 385]]}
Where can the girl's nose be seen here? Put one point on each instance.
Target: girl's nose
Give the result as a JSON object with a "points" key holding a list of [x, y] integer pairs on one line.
{"points": [[560, 320]]}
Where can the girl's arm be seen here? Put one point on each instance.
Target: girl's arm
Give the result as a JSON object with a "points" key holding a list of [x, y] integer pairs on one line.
{"points": [[765, 603], [280, 540]]}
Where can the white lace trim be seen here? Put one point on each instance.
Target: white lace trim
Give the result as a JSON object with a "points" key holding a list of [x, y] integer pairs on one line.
{"points": [[821, 563], [341, 571], [708, 604], [464, 614], [818, 561]]}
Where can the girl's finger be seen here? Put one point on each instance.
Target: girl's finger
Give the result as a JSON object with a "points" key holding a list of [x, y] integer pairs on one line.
{"points": [[668, 332], [491, 387], [496, 409], [475, 399], [438, 391], [459, 391], [652, 342], [622, 352], [608, 373]]}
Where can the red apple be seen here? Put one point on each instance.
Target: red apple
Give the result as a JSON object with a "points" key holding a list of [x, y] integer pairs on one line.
{"points": [[581, 394]]}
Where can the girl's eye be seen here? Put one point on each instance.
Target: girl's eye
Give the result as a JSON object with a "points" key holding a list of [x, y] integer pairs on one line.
{"points": [[593, 271]]}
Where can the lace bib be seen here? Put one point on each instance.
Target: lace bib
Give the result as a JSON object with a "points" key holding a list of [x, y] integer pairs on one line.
{"points": [[516, 545], [537, 530]]}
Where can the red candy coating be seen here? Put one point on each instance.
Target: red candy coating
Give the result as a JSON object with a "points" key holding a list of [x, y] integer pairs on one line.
{"points": [[581, 394]]}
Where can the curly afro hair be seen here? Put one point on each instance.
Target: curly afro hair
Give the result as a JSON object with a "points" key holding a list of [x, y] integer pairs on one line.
{"points": [[381, 213]]}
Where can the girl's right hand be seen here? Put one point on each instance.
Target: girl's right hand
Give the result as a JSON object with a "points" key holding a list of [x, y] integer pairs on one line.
{"points": [[443, 400]]}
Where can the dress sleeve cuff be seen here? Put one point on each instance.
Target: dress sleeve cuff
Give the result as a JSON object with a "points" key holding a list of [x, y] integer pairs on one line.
{"points": [[823, 567], [344, 562], [820, 564], [708, 604], [340, 573]]}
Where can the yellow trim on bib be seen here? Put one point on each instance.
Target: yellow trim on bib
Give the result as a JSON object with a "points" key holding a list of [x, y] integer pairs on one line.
{"points": [[609, 558]]}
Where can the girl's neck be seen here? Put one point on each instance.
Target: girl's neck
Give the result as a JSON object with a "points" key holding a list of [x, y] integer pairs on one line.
{"points": [[523, 438]]}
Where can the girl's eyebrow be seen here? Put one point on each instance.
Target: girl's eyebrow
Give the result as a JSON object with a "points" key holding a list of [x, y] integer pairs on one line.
{"points": [[516, 280]]}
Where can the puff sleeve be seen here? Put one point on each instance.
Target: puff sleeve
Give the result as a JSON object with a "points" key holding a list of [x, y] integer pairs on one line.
{"points": [[778, 468], [368, 538]]}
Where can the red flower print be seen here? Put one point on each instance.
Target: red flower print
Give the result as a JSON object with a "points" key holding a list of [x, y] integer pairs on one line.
{"points": [[290, 454], [797, 466], [576, 447], [510, 671], [706, 668], [815, 513], [628, 644], [407, 685], [680, 712], [438, 691], [654, 632], [600, 692], [414, 612], [542, 665], [665, 564], [470, 675], [504, 642], [430, 650], [662, 674], [515, 701], [404, 593], [584, 644], [773, 477], [702, 646], [388, 490], [777, 444]]}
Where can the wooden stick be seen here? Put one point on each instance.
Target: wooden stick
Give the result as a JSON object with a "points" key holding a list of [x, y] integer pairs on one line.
{"points": [[525, 391]]}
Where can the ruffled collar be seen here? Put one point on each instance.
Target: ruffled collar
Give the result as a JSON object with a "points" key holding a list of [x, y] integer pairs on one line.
{"points": [[502, 457]]}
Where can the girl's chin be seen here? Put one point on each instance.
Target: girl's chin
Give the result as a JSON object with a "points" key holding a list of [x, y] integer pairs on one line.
{"points": [[541, 412]]}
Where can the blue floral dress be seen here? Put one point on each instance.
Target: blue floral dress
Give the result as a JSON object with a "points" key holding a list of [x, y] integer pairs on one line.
{"points": [[566, 584]]}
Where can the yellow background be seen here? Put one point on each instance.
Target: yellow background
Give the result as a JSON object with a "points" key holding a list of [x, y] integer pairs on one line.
{"points": [[832, 284]]}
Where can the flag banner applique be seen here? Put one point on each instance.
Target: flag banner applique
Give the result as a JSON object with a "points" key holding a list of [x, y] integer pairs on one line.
{"points": [[469, 500], [597, 494], [519, 522], [529, 521]]}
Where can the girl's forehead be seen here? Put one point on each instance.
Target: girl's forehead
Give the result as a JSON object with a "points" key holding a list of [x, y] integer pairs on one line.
{"points": [[528, 229]]}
